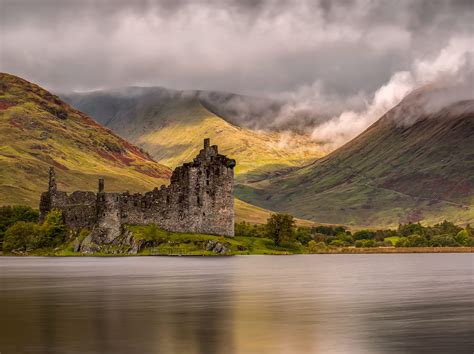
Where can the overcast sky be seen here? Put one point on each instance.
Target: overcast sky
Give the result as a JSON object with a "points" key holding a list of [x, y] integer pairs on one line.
{"points": [[343, 51]]}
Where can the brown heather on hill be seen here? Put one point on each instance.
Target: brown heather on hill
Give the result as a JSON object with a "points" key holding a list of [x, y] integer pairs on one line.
{"points": [[39, 130], [416, 163]]}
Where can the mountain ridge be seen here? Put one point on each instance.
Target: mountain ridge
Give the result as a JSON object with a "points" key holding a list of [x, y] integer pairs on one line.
{"points": [[392, 172], [170, 124]]}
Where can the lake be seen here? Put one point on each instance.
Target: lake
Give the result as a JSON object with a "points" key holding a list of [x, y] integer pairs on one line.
{"points": [[380, 303]]}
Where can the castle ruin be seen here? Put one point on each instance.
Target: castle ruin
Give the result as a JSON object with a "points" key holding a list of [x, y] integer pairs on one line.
{"points": [[199, 199]]}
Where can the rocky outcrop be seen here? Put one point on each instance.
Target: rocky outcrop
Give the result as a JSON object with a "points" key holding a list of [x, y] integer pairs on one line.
{"points": [[106, 241], [216, 247]]}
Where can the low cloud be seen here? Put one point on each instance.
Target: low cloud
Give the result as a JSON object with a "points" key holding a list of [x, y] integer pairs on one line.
{"points": [[451, 70]]}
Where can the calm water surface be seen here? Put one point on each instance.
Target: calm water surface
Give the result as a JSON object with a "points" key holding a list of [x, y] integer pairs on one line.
{"points": [[408, 303]]}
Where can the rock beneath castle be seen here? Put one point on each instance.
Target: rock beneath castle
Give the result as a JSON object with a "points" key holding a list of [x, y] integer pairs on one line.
{"points": [[199, 199], [77, 245], [216, 247], [123, 243]]}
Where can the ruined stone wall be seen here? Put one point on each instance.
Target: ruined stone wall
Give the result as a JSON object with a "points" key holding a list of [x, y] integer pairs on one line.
{"points": [[199, 199]]}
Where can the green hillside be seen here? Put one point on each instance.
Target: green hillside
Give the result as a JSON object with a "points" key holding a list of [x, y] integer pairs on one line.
{"points": [[170, 125], [393, 172], [38, 130]]}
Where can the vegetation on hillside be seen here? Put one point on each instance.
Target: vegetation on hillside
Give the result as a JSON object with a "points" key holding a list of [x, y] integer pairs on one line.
{"points": [[23, 235], [392, 173], [171, 125], [39, 130]]}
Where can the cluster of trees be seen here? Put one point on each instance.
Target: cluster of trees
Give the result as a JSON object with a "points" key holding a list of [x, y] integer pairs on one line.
{"points": [[20, 230], [281, 228], [444, 234]]}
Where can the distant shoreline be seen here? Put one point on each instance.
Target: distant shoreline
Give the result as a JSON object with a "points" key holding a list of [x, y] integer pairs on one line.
{"points": [[376, 250]]}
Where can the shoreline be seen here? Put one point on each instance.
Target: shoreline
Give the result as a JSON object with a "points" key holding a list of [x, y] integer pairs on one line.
{"points": [[347, 250]]}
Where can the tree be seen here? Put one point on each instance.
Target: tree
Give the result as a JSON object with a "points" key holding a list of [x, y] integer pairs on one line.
{"points": [[280, 228]]}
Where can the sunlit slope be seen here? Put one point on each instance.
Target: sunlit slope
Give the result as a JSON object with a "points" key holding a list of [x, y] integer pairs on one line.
{"points": [[38, 130], [171, 126], [408, 166]]}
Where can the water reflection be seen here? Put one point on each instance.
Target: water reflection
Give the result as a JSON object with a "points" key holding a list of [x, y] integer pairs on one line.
{"points": [[297, 304]]}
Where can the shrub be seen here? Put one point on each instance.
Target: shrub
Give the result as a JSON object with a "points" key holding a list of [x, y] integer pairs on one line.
{"points": [[443, 241], [22, 236], [369, 243], [54, 228], [303, 235], [246, 229], [359, 243], [402, 242], [29, 235], [316, 247], [463, 238], [337, 243], [364, 235], [319, 237], [329, 239], [347, 239], [417, 241], [9, 215]]}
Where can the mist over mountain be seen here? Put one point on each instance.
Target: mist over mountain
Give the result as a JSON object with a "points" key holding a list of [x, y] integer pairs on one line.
{"points": [[170, 125], [416, 163]]}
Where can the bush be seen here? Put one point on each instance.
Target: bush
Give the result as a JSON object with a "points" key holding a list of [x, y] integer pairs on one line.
{"points": [[280, 228], [24, 236], [54, 227], [363, 235], [337, 243], [9, 215], [303, 235], [319, 237], [443, 241], [402, 242], [369, 243], [246, 229], [347, 239], [417, 241], [316, 247], [358, 244], [463, 238]]}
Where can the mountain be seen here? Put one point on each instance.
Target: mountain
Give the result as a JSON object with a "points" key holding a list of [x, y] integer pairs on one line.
{"points": [[39, 130], [171, 124], [415, 163]]}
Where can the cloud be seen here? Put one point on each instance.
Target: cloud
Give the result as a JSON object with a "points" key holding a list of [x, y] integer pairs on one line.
{"points": [[451, 70], [328, 67]]}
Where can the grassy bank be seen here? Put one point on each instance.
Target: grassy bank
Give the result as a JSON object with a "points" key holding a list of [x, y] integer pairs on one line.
{"points": [[158, 242]]}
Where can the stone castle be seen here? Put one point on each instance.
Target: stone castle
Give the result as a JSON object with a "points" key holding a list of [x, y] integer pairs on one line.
{"points": [[199, 199]]}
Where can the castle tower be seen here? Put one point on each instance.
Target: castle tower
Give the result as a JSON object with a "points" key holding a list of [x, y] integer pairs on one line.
{"points": [[101, 184], [52, 186]]}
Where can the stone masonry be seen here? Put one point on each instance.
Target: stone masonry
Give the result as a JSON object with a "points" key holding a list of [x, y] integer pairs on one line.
{"points": [[199, 199]]}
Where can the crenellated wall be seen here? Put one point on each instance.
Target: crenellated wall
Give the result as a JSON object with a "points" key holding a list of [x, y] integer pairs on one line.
{"points": [[199, 199]]}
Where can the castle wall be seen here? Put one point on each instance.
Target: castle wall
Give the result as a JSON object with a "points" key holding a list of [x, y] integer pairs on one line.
{"points": [[199, 199]]}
